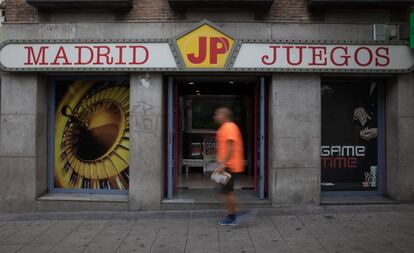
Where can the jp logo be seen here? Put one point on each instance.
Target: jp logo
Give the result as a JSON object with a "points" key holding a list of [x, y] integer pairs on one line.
{"points": [[205, 47], [218, 46]]}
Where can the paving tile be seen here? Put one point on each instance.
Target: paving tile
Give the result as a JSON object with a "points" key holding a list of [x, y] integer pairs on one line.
{"points": [[133, 247], [141, 237], [38, 248], [57, 232], [101, 247], [68, 247], [202, 236], [265, 236], [110, 236], [11, 228], [147, 224], [296, 236], [362, 235], [172, 236], [388, 229], [332, 239], [10, 248], [29, 232], [235, 239], [119, 225]]}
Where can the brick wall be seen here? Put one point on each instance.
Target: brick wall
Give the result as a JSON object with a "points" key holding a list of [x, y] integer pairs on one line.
{"points": [[20, 11], [282, 10], [152, 10], [287, 10], [158, 10]]}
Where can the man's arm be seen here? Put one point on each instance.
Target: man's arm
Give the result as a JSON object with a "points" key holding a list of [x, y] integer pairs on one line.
{"points": [[227, 157]]}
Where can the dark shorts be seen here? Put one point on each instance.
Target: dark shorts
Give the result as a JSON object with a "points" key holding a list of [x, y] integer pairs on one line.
{"points": [[229, 187]]}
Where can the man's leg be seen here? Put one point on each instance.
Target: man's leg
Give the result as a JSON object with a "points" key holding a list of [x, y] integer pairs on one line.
{"points": [[230, 199], [231, 203]]}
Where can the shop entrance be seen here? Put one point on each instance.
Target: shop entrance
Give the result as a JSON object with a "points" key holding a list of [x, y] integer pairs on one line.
{"points": [[191, 149]]}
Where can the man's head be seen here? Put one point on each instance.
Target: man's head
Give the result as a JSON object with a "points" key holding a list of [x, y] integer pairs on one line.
{"points": [[223, 114]]}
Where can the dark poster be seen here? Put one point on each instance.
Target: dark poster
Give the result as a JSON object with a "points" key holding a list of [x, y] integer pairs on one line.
{"points": [[349, 136]]}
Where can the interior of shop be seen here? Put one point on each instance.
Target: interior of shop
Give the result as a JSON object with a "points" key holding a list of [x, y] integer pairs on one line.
{"points": [[197, 100]]}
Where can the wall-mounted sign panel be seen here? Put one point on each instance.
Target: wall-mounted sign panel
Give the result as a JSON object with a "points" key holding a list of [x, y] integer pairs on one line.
{"points": [[87, 56], [323, 57], [205, 47]]}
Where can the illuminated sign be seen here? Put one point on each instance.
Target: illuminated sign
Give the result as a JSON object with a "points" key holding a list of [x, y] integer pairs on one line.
{"points": [[205, 47]]}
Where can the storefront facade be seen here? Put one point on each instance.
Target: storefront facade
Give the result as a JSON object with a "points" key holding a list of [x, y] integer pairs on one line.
{"points": [[117, 116]]}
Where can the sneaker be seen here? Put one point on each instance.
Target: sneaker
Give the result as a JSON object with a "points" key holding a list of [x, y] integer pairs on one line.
{"points": [[228, 221]]}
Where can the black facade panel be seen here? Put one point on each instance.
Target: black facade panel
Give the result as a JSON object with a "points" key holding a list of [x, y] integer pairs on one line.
{"points": [[254, 5], [82, 4], [315, 4]]}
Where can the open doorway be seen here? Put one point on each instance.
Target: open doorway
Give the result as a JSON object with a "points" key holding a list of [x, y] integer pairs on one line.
{"points": [[192, 146]]}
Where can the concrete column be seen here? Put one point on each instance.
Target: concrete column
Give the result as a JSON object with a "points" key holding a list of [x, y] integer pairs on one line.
{"points": [[146, 154], [295, 103], [400, 138], [18, 141]]}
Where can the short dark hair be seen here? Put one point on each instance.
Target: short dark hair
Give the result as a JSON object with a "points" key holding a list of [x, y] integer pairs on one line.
{"points": [[226, 111]]}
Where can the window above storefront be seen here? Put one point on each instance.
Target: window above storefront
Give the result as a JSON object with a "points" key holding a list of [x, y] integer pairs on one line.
{"points": [[82, 4], [315, 4], [254, 5]]}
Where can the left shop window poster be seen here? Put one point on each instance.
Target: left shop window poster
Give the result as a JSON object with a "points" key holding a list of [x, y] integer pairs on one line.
{"points": [[91, 148]]}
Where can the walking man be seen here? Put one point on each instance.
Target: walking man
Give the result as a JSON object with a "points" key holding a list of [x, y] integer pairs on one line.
{"points": [[230, 157]]}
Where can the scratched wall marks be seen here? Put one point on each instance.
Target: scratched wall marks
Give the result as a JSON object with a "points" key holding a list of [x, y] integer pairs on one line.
{"points": [[147, 121]]}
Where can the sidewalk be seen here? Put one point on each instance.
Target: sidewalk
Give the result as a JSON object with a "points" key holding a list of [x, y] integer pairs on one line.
{"points": [[362, 228]]}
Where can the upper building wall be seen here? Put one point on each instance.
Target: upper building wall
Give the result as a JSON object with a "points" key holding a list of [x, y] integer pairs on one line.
{"points": [[159, 10]]}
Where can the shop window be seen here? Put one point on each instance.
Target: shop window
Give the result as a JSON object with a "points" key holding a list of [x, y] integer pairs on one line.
{"points": [[89, 120], [351, 134]]}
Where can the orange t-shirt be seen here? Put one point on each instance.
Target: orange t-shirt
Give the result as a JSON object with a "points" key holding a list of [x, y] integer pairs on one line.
{"points": [[230, 131]]}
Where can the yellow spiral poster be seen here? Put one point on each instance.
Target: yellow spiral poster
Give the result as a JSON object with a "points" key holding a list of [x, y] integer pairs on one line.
{"points": [[92, 135]]}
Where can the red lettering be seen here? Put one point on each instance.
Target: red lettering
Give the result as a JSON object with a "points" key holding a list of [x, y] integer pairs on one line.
{"points": [[384, 55], [344, 56], [202, 52], [318, 56], [61, 54], [288, 52], [265, 58], [334, 162], [352, 162], [121, 56], [215, 50], [32, 59], [100, 54], [134, 54], [357, 55], [80, 55], [324, 161]]}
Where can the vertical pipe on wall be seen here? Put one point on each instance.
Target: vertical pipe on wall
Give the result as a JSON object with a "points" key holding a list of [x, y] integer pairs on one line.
{"points": [[170, 138], [262, 141]]}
